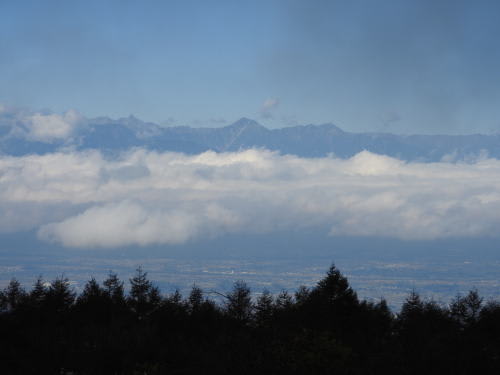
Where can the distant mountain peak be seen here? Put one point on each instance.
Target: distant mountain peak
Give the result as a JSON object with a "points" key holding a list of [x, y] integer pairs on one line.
{"points": [[245, 122], [332, 128], [242, 127], [131, 120]]}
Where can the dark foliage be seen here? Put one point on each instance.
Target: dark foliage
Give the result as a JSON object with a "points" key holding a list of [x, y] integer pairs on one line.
{"points": [[322, 330]]}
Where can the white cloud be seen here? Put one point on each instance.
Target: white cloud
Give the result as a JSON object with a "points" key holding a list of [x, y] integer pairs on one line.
{"points": [[142, 198], [50, 127], [40, 126], [125, 223]]}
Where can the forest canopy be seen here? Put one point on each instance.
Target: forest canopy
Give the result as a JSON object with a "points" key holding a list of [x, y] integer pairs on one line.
{"points": [[111, 329]]}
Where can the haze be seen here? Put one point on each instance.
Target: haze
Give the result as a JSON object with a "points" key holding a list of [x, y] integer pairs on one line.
{"points": [[149, 133]]}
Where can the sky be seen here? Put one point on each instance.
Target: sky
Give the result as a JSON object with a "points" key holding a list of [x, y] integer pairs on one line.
{"points": [[395, 65]]}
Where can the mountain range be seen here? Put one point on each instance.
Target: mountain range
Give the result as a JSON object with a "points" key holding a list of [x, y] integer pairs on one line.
{"points": [[112, 136]]}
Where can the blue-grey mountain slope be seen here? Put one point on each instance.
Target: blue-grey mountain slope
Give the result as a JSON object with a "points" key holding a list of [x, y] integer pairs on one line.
{"points": [[112, 136]]}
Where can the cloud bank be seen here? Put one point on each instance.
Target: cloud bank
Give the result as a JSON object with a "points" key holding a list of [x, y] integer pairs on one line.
{"points": [[82, 199], [39, 126]]}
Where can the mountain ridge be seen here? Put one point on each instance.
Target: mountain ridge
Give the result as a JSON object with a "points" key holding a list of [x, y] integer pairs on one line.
{"points": [[111, 136]]}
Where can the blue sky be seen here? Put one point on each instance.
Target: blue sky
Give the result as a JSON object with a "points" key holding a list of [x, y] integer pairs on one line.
{"points": [[395, 65]]}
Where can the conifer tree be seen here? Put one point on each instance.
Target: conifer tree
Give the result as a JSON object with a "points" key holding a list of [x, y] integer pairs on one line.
{"points": [[302, 294], [144, 296], [13, 295], [264, 308], [284, 300], [114, 289], [465, 310], [175, 298], [335, 289], [92, 293], [38, 293], [195, 298], [60, 296], [239, 302], [412, 305]]}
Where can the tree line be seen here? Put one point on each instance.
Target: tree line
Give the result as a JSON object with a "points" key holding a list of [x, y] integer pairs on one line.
{"points": [[325, 329]]}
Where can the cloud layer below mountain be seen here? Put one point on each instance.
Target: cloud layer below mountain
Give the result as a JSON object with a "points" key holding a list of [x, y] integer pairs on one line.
{"points": [[144, 198]]}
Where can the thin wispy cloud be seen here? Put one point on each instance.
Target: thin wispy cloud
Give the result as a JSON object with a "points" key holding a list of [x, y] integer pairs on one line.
{"points": [[268, 108]]}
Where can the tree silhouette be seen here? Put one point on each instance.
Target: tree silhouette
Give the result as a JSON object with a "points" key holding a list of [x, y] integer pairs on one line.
{"points": [[465, 310], [38, 293], [60, 296], [114, 289], [195, 299], [334, 289], [284, 300], [144, 296], [12, 296], [92, 293], [322, 330], [264, 308], [302, 294], [332, 304], [239, 304]]}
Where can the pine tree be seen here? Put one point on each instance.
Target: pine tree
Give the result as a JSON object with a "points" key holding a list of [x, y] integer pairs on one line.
{"points": [[92, 293], [144, 296], [195, 299], [60, 296], [302, 294], [284, 300], [239, 302], [335, 289], [114, 289], [465, 310], [175, 298], [13, 295], [264, 308], [38, 293], [332, 305], [413, 305]]}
